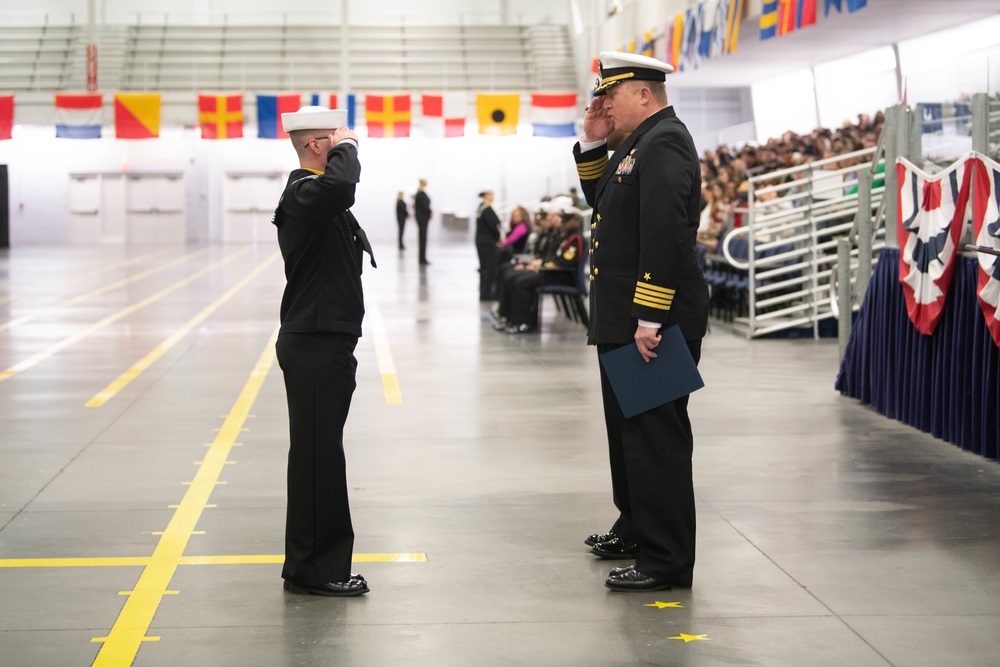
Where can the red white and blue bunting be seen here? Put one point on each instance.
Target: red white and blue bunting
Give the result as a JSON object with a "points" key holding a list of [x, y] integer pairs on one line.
{"points": [[986, 234], [931, 216], [931, 212]]}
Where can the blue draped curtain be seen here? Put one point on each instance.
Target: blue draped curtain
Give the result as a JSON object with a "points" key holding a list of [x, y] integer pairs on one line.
{"points": [[947, 384]]}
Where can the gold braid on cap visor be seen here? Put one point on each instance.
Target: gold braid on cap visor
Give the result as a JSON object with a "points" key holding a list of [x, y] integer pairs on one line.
{"points": [[614, 76]]}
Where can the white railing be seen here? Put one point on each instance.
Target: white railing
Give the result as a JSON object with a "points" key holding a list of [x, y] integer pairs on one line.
{"points": [[787, 245]]}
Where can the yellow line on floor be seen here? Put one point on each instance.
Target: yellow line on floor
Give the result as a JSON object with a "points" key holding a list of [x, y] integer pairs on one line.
{"points": [[129, 631], [265, 559], [383, 354], [72, 340], [279, 559], [131, 279], [125, 263], [106, 394], [73, 562], [100, 290]]}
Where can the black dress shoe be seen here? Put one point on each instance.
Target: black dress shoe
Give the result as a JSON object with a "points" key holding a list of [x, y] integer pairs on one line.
{"points": [[596, 538], [634, 580], [615, 549], [520, 329], [354, 586], [616, 571]]}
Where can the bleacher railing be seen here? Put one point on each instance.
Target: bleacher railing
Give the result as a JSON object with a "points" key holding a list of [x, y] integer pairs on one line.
{"points": [[792, 221]]}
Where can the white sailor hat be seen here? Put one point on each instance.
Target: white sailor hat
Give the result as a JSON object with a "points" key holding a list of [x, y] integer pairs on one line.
{"points": [[615, 67], [314, 118], [563, 205]]}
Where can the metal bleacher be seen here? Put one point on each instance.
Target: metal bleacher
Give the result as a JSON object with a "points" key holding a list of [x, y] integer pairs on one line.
{"points": [[175, 59]]}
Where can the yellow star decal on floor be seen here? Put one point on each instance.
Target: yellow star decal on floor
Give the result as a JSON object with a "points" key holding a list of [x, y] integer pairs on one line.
{"points": [[692, 638], [664, 605]]}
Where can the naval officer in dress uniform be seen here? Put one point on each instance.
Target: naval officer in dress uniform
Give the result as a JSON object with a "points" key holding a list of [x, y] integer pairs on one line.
{"points": [[644, 277], [322, 246]]}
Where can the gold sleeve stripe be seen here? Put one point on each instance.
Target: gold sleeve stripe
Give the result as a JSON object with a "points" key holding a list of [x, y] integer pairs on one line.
{"points": [[657, 306], [653, 295], [592, 170], [653, 299], [654, 288]]}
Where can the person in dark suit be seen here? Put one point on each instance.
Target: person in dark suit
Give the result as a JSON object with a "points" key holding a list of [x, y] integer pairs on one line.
{"points": [[422, 214], [487, 237], [322, 246], [644, 277], [401, 215]]}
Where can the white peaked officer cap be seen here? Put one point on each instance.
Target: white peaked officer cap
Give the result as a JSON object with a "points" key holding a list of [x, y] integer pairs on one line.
{"points": [[314, 118], [563, 205], [615, 67]]}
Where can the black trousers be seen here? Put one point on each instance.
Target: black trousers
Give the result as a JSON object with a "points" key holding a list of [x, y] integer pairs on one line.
{"points": [[650, 456], [319, 371], [401, 223], [422, 239], [486, 247]]}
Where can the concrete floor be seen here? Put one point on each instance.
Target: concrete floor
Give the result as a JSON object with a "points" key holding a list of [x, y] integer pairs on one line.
{"points": [[828, 535]]}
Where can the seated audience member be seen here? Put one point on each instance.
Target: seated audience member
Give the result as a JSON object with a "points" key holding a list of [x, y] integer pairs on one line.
{"points": [[560, 268], [516, 240], [540, 244]]}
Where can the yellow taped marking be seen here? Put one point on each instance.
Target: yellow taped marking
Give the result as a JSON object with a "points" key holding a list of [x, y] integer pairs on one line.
{"points": [[124, 312], [122, 643], [132, 279], [106, 394], [383, 355], [139, 259], [267, 559], [278, 559], [194, 532], [73, 562], [164, 592], [104, 639], [83, 297]]}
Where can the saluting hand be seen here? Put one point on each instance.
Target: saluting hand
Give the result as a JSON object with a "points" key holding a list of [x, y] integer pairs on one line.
{"points": [[646, 339], [597, 124], [342, 133]]}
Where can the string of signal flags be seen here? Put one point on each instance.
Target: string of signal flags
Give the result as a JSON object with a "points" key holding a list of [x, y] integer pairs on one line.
{"points": [[711, 28], [221, 116]]}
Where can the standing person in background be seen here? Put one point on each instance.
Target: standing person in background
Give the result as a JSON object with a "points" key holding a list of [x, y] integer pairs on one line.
{"points": [[644, 277], [487, 237], [401, 215], [323, 247], [422, 214]]}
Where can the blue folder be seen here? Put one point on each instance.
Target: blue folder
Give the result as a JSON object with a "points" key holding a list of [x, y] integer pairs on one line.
{"points": [[641, 386]]}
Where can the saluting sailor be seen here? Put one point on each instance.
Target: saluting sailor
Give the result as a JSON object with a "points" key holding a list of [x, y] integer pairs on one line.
{"points": [[644, 276], [322, 246]]}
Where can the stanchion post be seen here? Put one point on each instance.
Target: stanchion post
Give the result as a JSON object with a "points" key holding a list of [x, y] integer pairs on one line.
{"points": [[844, 294]]}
